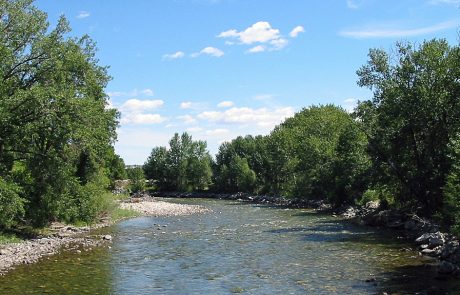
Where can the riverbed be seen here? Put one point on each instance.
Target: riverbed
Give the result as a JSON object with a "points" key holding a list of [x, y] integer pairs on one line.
{"points": [[235, 248]]}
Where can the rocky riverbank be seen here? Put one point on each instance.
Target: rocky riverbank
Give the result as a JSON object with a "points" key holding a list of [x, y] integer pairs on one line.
{"points": [[425, 234], [70, 238], [60, 237]]}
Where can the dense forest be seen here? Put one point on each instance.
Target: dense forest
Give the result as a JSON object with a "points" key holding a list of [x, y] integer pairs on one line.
{"points": [[56, 133], [401, 147]]}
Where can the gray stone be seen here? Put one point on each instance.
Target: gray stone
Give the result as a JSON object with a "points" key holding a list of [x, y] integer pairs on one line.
{"points": [[432, 239], [107, 237]]}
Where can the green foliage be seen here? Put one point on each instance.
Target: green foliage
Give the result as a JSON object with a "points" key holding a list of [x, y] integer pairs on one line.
{"points": [[55, 130], [413, 115], [136, 179], [451, 210], [11, 204], [185, 166]]}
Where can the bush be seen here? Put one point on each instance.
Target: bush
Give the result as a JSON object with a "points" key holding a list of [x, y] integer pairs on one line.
{"points": [[11, 204]]}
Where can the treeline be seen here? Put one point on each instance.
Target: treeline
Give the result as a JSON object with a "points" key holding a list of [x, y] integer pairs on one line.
{"points": [[56, 134], [402, 147]]}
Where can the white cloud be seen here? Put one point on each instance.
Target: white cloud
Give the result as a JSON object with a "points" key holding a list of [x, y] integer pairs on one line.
{"points": [[217, 132], [137, 105], [349, 104], [175, 55], [262, 117], [186, 105], [260, 32], [398, 33], [194, 129], [139, 118], [225, 104], [83, 14], [187, 119], [257, 49], [147, 92], [354, 4], [212, 51], [296, 31]]}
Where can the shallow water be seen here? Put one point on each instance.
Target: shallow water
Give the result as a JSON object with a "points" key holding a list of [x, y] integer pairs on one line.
{"points": [[237, 248]]}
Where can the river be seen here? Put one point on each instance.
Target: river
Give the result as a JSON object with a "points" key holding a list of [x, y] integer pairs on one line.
{"points": [[236, 248]]}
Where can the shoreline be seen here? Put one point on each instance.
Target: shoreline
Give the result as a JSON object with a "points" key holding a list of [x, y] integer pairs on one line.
{"points": [[71, 238]]}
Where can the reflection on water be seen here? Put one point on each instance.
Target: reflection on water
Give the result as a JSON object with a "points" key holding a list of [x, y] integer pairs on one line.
{"points": [[246, 249]]}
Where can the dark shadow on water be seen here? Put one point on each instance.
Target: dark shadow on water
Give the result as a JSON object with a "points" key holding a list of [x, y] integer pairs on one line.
{"points": [[416, 279]]}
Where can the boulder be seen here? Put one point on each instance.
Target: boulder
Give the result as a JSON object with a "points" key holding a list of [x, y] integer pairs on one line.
{"points": [[432, 239], [107, 237]]}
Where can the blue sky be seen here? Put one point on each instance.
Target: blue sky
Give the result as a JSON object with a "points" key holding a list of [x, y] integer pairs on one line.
{"points": [[222, 68]]}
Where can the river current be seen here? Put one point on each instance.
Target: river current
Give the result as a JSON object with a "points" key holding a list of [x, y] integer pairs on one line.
{"points": [[236, 248]]}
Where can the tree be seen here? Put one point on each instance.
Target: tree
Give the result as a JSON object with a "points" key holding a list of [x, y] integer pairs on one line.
{"points": [[136, 179], [414, 114], [185, 166], [54, 120]]}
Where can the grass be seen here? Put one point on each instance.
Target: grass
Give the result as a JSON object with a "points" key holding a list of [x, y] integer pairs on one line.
{"points": [[7, 238]]}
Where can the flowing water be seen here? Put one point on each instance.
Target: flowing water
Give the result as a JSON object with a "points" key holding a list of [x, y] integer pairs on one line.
{"points": [[236, 248]]}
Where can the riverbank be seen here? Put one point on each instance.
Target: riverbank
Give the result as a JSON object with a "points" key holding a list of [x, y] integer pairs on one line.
{"points": [[425, 234], [149, 206], [71, 238]]}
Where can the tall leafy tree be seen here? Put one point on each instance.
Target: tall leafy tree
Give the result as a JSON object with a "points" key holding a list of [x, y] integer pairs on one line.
{"points": [[412, 117], [54, 120]]}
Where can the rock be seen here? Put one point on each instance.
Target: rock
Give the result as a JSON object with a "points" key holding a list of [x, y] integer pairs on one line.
{"points": [[446, 268], [107, 237], [4, 252], [432, 239], [449, 249], [430, 252]]}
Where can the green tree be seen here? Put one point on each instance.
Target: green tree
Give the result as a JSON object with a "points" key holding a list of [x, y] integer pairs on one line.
{"points": [[185, 166], [136, 178], [411, 119], [53, 112]]}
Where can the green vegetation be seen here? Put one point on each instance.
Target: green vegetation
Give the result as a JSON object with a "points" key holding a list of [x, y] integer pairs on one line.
{"points": [[56, 134], [185, 166], [401, 147]]}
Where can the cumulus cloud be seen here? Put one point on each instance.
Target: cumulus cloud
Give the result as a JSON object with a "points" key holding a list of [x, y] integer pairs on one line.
{"points": [[260, 32], [398, 32], [83, 14], [349, 104], [186, 105], [137, 105], [175, 55], [262, 117], [187, 119], [140, 118], [147, 92], [257, 49], [194, 129], [137, 111], [211, 51], [225, 104], [296, 31]]}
